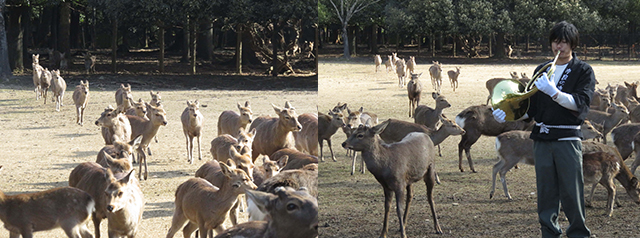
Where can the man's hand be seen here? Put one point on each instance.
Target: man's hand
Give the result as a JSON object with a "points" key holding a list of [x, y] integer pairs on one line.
{"points": [[499, 115], [546, 86]]}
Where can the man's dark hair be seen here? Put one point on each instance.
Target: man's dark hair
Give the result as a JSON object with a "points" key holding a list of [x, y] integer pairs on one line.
{"points": [[564, 31]]}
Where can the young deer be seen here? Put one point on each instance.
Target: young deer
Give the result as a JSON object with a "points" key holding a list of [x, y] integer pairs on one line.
{"points": [[155, 98], [266, 170], [45, 83], [389, 64], [601, 168], [148, 129], [58, 87], [124, 97], [192, 127], [292, 159], [411, 64], [220, 145], [428, 116], [414, 91], [125, 204], [274, 133], [294, 214], [204, 206], [138, 108], [230, 122], [118, 156], [401, 71], [453, 77], [80, 99], [307, 138], [327, 126], [67, 208], [397, 166]]}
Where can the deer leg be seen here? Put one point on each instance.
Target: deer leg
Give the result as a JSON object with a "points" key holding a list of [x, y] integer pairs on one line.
{"points": [[399, 200], [189, 229], [387, 206], [496, 168], [353, 164], [587, 202], [407, 203], [199, 150], [429, 180], [460, 149], [468, 150], [611, 194], [635, 164], [188, 150], [320, 143], [362, 170], [96, 223], [233, 216], [331, 149]]}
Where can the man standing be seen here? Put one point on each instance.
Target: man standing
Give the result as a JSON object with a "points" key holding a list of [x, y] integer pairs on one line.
{"points": [[559, 108]]}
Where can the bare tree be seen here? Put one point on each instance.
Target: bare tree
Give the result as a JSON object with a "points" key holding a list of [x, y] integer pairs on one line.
{"points": [[347, 9]]}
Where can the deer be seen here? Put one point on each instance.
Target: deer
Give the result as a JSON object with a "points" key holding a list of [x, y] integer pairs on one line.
{"points": [[118, 156], [138, 108], [307, 138], [204, 206], [428, 116], [414, 91], [124, 97], [125, 204], [148, 129], [230, 122], [115, 126], [609, 120], [192, 127], [401, 71], [411, 64], [155, 98], [266, 170], [378, 61], [436, 75], [89, 63], [453, 77], [397, 166], [305, 177], [293, 213], [64, 65], [476, 121], [220, 145], [37, 74], [66, 207], [390, 66], [274, 133], [623, 137], [636, 148], [601, 168], [80, 99], [45, 83], [58, 87], [289, 159], [328, 125]]}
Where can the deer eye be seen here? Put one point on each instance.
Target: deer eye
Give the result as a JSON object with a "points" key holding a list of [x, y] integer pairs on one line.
{"points": [[360, 136], [291, 207], [287, 118], [120, 194]]}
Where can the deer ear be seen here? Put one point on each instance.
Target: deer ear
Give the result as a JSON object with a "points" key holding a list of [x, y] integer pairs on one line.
{"points": [[127, 179], [226, 170], [252, 133], [283, 161], [246, 104], [261, 199], [276, 108], [380, 128], [107, 158]]}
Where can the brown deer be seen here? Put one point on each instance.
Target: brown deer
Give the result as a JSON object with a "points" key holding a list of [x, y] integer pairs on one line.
{"points": [[203, 206], [453, 77], [428, 116], [601, 168], [397, 166], [378, 61], [292, 159], [45, 83], [220, 145], [414, 91], [293, 213], [124, 97], [192, 127], [66, 207], [411, 64], [328, 125], [148, 129], [115, 126], [307, 138], [230, 122], [266, 170], [436, 75], [58, 87], [89, 63], [118, 156], [138, 108], [80, 98], [37, 74], [274, 133], [125, 204]]}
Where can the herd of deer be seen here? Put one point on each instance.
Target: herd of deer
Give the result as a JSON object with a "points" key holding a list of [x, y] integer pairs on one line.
{"points": [[399, 153], [281, 191]]}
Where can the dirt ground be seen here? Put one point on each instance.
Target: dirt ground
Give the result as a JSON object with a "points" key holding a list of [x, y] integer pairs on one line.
{"points": [[352, 206], [42, 146]]}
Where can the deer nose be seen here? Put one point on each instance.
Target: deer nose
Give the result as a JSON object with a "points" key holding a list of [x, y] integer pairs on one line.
{"points": [[165, 123], [344, 145], [110, 208], [250, 120], [96, 123]]}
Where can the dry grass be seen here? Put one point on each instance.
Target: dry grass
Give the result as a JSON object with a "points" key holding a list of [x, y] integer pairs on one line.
{"points": [[41, 146], [352, 206]]}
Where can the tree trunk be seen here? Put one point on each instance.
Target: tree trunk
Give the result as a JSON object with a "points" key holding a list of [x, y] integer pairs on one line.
{"points": [[345, 41], [193, 28], [5, 70], [161, 58], [74, 30], [419, 44], [374, 39], [499, 48], [274, 43], [64, 30], [239, 49], [114, 44], [208, 41], [352, 43], [185, 43], [315, 49], [15, 39]]}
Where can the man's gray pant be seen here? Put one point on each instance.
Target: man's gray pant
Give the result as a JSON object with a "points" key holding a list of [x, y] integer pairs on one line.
{"points": [[559, 179]]}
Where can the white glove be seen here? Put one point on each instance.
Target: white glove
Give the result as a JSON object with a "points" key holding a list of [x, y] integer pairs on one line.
{"points": [[499, 115], [546, 86]]}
